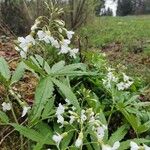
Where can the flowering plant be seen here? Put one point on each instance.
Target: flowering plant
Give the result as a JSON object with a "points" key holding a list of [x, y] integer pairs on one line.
{"points": [[73, 107]]}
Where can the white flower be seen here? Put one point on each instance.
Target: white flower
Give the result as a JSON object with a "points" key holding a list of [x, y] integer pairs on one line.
{"points": [[72, 119], [47, 38], [24, 44], [101, 131], [57, 138], [121, 86], [70, 34], [6, 106], [111, 77], [79, 141], [125, 77], [60, 119], [41, 34], [134, 146], [108, 147], [60, 109], [65, 42], [146, 147], [25, 110], [54, 42], [67, 101], [83, 116], [64, 49], [73, 52]]}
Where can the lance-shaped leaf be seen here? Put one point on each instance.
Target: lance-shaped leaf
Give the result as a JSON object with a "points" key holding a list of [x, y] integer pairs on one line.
{"points": [[67, 92], [44, 92], [19, 72], [4, 69]]}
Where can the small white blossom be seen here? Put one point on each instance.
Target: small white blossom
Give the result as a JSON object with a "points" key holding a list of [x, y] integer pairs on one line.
{"points": [[125, 77], [83, 116], [60, 109], [79, 141], [134, 146], [25, 110], [6, 106], [67, 101], [101, 131], [70, 34], [65, 42], [108, 147], [121, 86], [146, 147], [57, 138], [111, 77], [24, 45], [60, 119], [64, 49], [72, 119], [73, 52]]}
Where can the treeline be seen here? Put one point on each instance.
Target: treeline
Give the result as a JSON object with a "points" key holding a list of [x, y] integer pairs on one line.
{"points": [[127, 7], [19, 15]]}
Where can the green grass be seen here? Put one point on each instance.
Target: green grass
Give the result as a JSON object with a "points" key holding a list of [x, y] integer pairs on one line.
{"points": [[126, 41], [132, 32]]}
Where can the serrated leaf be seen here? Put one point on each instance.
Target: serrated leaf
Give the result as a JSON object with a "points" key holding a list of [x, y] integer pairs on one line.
{"points": [[4, 69], [66, 140], [118, 135], [44, 92], [41, 61], [19, 72], [67, 92], [27, 132], [3, 117], [57, 67], [48, 108]]}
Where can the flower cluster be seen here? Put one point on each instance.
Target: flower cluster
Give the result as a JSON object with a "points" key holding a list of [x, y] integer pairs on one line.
{"points": [[8, 106], [25, 44], [126, 83], [85, 118], [61, 44], [111, 79]]}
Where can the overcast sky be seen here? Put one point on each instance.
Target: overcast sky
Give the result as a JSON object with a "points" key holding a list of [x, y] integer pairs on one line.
{"points": [[112, 4]]}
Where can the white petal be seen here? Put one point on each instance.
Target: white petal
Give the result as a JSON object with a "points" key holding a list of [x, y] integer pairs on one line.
{"points": [[116, 145], [6, 106], [134, 146], [25, 110], [106, 147], [146, 147]]}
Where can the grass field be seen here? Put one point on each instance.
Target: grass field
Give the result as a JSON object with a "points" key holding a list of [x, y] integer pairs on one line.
{"points": [[126, 41]]}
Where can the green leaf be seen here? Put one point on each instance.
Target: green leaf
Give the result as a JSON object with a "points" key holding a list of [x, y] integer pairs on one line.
{"points": [[4, 69], [27, 132], [57, 67], [46, 132], [67, 139], [48, 108], [118, 135], [67, 92], [44, 92], [19, 72], [3, 117], [41, 61]]}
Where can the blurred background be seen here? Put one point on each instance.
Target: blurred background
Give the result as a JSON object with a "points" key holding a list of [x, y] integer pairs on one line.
{"points": [[19, 15]]}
